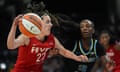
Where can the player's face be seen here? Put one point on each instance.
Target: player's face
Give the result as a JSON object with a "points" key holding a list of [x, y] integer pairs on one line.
{"points": [[47, 25], [104, 38], [86, 29]]}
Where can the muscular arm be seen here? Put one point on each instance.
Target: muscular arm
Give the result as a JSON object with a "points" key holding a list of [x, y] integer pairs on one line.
{"points": [[68, 54], [12, 42]]}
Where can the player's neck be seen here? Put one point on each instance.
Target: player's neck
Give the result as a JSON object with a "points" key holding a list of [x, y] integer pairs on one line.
{"points": [[86, 40], [86, 43], [41, 37]]}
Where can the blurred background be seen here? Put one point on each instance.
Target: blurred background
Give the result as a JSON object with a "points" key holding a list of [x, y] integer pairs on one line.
{"points": [[104, 13]]}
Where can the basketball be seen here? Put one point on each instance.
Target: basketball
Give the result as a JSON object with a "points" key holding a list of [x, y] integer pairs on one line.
{"points": [[30, 25]]}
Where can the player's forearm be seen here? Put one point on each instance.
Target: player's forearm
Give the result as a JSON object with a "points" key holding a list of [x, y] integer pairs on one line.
{"points": [[69, 54], [11, 37], [64, 52]]}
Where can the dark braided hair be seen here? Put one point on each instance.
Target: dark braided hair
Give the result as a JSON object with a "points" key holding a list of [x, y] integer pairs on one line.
{"points": [[35, 7], [38, 7]]}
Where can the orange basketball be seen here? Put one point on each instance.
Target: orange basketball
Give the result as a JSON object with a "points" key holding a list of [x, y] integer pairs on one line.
{"points": [[30, 25]]}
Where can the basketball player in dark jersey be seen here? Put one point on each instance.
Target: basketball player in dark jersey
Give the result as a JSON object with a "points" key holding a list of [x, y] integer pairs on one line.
{"points": [[86, 45]]}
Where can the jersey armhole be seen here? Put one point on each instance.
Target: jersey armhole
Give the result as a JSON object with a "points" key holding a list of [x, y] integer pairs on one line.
{"points": [[95, 48]]}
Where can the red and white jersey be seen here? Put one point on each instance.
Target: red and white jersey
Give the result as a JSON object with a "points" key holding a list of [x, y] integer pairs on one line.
{"points": [[114, 54], [31, 57]]}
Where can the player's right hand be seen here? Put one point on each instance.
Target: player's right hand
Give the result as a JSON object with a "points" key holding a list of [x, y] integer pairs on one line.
{"points": [[17, 19], [84, 58]]}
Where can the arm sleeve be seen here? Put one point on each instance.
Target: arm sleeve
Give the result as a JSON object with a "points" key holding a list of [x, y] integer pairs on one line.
{"points": [[100, 50]]}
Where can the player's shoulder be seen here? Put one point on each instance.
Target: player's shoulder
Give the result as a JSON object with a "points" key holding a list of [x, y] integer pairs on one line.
{"points": [[24, 39]]}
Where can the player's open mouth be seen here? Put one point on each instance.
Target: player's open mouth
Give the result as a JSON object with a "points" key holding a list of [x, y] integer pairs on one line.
{"points": [[85, 32]]}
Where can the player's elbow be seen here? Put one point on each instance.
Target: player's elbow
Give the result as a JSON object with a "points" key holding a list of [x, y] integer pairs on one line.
{"points": [[10, 46]]}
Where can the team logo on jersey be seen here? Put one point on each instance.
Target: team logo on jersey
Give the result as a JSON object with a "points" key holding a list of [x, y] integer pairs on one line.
{"points": [[110, 54]]}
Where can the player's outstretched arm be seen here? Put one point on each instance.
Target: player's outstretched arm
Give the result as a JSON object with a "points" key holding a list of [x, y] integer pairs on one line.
{"points": [[68, 54]]}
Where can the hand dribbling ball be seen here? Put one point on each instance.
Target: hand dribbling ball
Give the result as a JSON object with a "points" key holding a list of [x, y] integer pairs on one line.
{"points": [[30, 25]]}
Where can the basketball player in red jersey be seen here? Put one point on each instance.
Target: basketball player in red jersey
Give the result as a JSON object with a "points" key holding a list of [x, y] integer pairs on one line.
{"points": [[33, 51], [112, 50]]}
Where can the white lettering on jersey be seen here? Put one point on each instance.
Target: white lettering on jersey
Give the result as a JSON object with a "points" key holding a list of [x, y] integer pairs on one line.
{"points": [[40, 53]]}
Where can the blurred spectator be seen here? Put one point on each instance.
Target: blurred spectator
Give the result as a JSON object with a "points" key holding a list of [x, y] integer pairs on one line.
{"points": [[112, 50]]}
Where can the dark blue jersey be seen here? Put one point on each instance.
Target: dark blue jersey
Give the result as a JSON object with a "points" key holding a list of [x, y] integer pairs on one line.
{"points": [[95, 51]]}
